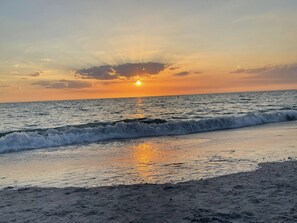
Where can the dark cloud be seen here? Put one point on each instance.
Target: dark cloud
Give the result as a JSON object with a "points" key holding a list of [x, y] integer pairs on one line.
{"points": [[186, 73], [138, 69], [182, 74], [127, 70], [63, 84], [286, 73], [36, 74], [105, 72], [173, 68]]}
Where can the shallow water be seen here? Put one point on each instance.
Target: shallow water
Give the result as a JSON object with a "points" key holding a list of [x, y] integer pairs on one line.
{"points": [[151, 160]]}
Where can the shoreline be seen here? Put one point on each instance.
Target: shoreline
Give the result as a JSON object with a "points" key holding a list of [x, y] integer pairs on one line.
{"points": [[264, 195], [155, 160]]}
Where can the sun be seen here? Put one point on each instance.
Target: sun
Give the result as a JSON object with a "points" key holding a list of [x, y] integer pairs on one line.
{"points": [[138, 83]]}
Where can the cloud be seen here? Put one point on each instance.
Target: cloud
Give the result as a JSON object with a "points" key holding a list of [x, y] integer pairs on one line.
{"points": [[105, 72], [127, 70], [186, 73], [182, 74], [106, 83], [252, 70], [4, 86], [286, 73], [173, 68], [36, 74], [285, 69], [63, 84]]}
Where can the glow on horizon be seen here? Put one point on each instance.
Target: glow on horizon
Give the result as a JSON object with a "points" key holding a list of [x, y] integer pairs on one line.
{"points": [[54, 50]]}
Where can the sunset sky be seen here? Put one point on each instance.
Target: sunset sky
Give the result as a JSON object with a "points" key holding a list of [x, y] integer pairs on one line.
{"points": [[74, 49]]}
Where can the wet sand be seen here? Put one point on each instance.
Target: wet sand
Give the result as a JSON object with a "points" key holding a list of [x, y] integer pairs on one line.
{"points": [[155, 160], [268, 194]]}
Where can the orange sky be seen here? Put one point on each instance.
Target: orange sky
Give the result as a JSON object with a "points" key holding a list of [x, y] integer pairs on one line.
{"points": [[54, 50]]}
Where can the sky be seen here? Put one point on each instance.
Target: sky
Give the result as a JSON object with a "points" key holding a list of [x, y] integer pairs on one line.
{"points": [[73, 49]]}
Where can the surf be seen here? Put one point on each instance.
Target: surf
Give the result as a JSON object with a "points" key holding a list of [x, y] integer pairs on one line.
{"points": [[130, 128]]}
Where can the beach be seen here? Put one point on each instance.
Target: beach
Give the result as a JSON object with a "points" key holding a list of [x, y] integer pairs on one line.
{"points": [[153, 160], [203, 158], [129, 111], [265, 195], [233, 185]]}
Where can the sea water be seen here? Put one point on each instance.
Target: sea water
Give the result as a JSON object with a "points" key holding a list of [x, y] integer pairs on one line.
{"points": [[143, 140], [36, 125]]}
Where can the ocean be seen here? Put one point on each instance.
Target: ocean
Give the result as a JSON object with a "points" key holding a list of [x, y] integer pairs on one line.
{"points": [[36, 125], [136, 140]]}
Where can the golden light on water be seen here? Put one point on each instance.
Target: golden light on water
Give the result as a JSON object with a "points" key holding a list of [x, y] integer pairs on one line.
{"points": [[145, 155]]}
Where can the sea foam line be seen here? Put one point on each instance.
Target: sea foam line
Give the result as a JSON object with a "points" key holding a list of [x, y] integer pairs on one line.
{"points": [[94, 132]]}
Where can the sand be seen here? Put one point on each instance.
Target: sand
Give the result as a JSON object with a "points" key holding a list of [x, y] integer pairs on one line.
{"points": [[268, 194]]}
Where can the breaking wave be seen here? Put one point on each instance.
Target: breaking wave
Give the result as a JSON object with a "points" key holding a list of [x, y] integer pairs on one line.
{"points": [[126, 129]]}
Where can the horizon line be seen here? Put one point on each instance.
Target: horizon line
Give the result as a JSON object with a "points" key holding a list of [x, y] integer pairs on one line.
{"points": [[169, 95]]}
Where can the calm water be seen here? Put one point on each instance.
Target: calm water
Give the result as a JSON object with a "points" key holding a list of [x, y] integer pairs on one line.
{"points": [[58, 123]]}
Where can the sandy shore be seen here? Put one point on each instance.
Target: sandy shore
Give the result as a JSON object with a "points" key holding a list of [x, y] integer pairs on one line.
{"points": [[268, 194], [155, 160]]}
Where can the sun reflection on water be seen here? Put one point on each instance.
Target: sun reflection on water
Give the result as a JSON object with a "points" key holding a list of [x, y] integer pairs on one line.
{"points": [[139, 113], [146, 158]]}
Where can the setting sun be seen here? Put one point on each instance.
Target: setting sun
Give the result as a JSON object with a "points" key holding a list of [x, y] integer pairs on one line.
{"points": [[138, 83]]}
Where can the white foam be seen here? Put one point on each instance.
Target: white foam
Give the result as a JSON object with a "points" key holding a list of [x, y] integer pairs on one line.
{"points": [[70, 135]]}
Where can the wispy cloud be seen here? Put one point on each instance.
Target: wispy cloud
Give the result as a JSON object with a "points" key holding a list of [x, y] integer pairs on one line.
{"points": [[173, 68], [286, 73], [182, 74], [63, 84], [106, 83], [186, 73], [36, 74], [126, 70], [270, 69]]}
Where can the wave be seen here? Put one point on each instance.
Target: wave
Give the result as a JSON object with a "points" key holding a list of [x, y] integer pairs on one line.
{"points": [[126, 129]]}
